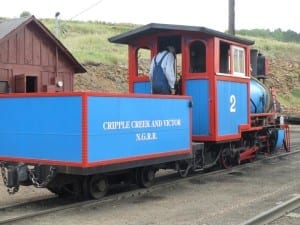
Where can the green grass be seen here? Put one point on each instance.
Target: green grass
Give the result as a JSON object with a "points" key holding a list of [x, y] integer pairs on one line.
{"points": [[88, 41], [296, 93], [271, 48], [291, 100]]}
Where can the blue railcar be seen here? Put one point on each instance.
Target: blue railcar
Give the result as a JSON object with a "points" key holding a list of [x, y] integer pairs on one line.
{"points": [[88, 133]]}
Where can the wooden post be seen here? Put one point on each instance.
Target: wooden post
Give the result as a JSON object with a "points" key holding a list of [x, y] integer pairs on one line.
{"points": [[231, 15]]}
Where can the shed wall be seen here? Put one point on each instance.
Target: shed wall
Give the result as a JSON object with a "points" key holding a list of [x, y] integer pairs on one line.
{"points": [[30, 52]]}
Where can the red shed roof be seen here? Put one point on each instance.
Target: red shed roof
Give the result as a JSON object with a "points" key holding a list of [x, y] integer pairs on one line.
{"points": [[8, 27]]}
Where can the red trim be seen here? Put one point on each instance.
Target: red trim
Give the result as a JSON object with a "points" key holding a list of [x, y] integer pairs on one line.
{"points": [[141, 79], [42, 161], [233, 78], [82, 94], [137, 158], [254, 129], [41, 94], [262, 114], [244, 127], [123, 95], [100, 163], [248, 154]]}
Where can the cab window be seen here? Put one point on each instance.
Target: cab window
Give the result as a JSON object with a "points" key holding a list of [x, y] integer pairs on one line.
{"points": [[238, 60], [232, 59], [197, 57], [224, 65], [143, 61]]}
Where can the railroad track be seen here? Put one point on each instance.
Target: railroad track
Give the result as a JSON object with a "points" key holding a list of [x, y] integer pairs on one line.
{"points": [[27, 209], [23, 211], [278, 211], [275, 213]]}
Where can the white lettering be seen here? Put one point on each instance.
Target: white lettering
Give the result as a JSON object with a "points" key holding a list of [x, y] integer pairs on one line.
{"points": [[116, 125], [157, 123], [172, 123], [143, 125], [140, 124], [146, 136], [232, 100]]}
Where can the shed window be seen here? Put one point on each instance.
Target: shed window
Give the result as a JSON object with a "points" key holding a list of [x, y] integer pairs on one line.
{"points": [[4, 87]]}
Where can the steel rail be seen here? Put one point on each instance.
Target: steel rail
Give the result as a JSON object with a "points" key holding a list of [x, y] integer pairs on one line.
{"points": [[32, 201], [275, 213]]}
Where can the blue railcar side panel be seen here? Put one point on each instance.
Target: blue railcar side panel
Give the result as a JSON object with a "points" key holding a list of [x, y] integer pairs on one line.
{"points": [[133, 127], [142, 88], [232, 108], [199, 90], [47, 128]]}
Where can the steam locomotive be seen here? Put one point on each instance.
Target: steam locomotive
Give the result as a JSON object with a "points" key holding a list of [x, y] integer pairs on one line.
{"points": [[81, 143]]}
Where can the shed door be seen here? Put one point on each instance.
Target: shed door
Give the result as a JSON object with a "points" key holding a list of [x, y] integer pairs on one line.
{"points": [[25, 83], [20, 83]]}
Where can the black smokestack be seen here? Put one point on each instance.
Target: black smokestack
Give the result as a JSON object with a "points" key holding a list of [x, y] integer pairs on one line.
{"points": [[231, 14]]}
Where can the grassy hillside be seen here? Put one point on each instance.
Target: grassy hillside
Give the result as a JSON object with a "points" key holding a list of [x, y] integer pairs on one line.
{"points": [[88, 40], [88, 43]]}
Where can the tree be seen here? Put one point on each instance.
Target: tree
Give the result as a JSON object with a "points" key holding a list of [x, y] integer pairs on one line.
{"points": [[25, 14]]}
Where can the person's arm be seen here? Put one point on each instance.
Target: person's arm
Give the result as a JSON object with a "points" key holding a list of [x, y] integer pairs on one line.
{"points": [[170, 70], [151, 69]]}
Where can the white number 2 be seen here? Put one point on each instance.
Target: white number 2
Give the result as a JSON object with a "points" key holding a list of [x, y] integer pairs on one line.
{"points": [[232, 103]]}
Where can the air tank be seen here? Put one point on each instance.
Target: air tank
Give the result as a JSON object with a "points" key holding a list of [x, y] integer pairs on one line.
{"points": [[260, 96]]}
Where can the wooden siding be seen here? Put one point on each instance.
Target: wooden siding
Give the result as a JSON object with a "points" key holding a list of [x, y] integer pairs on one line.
{"points": [[30, 52]]}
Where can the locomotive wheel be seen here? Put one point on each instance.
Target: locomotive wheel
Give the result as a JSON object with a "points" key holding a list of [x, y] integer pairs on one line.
{"points": [[146, 177], [85, 188], [72, 189], [98, 186], [58, 191], [226, 158]]}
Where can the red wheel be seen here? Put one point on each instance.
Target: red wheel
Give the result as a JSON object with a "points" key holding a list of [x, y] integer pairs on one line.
{"points": [[226, 158]]}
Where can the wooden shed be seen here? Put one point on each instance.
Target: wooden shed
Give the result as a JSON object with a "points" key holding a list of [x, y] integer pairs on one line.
{"points": [[32, 59]]}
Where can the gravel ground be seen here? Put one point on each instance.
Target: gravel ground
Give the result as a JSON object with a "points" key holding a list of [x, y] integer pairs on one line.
{"points": [[24, 194], [220, 199]]}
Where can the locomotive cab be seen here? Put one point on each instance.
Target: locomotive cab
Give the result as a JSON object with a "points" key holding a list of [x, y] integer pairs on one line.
{"points": [[211, 66]]}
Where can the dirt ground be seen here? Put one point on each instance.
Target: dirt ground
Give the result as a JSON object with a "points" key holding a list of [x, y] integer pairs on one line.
{"points": [[24, 194], [220, 199]]}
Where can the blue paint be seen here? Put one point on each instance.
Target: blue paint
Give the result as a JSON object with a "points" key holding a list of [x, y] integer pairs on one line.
{"points": [[259, 97], [142, 88], [232, 107], [106, 142], [280, 138], [199, 90], [46, 128]]}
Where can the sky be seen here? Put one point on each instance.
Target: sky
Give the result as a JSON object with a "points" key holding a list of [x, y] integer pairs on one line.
{"points": [[249, 14]]}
